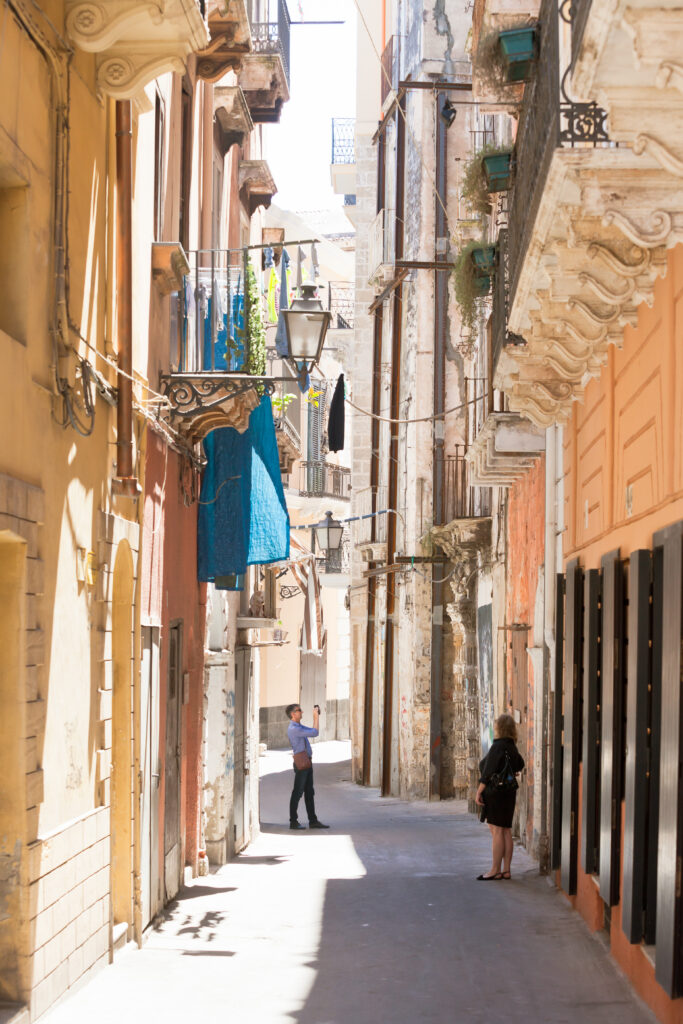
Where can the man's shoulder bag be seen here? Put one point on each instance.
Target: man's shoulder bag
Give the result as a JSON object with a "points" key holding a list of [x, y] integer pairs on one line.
{"points": [[302, 760]]}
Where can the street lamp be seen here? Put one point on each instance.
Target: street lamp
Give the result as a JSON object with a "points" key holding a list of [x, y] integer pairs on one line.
{"points": [[328, 535], [305, 323], [448, 113]]}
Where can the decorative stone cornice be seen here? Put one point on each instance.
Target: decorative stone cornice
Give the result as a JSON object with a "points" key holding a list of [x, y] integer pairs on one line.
{"points": [[169, 266], [463, 539], [256, 184], [505, 448], [232, 115], [136, 40], [230, 40]]}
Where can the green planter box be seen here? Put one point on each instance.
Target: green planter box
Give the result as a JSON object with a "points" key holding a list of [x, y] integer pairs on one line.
{"points": [[484, 261], [481, 286], [497, 171], [518, 46]]}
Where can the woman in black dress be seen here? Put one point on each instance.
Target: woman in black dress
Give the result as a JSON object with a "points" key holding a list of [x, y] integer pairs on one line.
{"points": [[502, 762]]}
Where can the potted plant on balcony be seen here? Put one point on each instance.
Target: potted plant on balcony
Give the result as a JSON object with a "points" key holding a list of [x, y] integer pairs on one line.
{"points": [[489, 170], [472, 274], [256, 332], [506, 56]]}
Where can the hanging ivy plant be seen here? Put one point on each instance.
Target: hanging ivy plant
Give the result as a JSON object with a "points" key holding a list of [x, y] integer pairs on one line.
{"points": [[256, 332], [475, 188], [472, 275]]}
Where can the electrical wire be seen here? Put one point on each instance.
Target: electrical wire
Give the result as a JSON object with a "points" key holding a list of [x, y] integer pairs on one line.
{"points": [[419, 419]]}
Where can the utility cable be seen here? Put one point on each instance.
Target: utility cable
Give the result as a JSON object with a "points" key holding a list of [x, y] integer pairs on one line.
{"points": [[419, 419]]}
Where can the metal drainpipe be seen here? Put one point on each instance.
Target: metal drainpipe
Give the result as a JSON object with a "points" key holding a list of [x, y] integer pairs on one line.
{"points": [[392, 496], [440, 298], [372, 581], [125, 482], [374, 484]]}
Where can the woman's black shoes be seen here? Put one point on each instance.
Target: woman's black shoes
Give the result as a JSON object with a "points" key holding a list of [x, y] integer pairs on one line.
{"points": [[490, 878]]}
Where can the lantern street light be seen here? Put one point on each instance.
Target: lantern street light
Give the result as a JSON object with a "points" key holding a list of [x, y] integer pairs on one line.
{"points": [[305, 323], [328, 535]]}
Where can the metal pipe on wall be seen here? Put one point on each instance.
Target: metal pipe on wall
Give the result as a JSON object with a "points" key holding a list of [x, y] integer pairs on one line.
{"points": [[369, 686], [392, 495], [125, 483], [440, 299]]}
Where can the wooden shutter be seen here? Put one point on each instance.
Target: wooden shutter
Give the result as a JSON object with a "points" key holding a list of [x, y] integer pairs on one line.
{"points": [[611, 724], [638, 723], [668, 955], [556, 824], [572, 725], [655, 746], [590, 798]]}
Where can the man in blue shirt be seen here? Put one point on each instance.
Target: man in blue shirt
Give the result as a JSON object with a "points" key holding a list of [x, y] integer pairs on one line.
{"points": [[303, 777]]}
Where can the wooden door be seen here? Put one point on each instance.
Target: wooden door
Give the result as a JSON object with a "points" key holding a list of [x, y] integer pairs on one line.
{"points": [[172, 845], [243, 670], [150, 775]]}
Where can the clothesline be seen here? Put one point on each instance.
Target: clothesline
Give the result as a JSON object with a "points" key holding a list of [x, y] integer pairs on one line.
{"points": [[419, 419]]}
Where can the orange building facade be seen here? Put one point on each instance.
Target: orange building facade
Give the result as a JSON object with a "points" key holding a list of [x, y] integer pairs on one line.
{"points": [[618, 829]]}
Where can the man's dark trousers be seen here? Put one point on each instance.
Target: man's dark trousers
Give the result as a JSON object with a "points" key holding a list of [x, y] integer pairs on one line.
{"points": [[303, 784]]}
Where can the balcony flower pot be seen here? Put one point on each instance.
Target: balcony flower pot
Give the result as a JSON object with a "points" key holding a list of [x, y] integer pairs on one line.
{"points": [[483, 259], [518, 47], [489, 170], [497, 169], [505, 57], [472, 276]]}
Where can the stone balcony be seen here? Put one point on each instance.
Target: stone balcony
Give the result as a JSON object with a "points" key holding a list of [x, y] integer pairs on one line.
{"points": [[230, 39], [505, 448], [256, 185], [264, 75], [596, 201], [288, 443], [136, 41]]}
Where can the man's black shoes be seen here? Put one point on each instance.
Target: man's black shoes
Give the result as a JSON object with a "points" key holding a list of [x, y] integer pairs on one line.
{"points": [[317, 824], [297, 826]]}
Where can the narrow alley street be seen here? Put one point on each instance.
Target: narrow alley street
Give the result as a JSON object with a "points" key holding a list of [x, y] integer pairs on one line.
{"points": [[380, 919]]}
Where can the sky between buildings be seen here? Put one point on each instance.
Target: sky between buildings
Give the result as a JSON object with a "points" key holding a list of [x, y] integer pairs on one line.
{"points": [[323, 86]]}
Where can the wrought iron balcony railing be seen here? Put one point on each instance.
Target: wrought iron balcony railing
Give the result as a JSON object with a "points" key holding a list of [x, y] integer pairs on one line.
{"points": [[373, 529], [342, 305], [323, 480], [339, 561], [272, 37], [549, 121], [390, 67], [343, 140], [284, 425], [381, 245], [463, 500]]}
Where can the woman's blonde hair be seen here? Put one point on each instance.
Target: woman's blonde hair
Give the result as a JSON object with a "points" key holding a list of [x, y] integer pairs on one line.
{"points": [[505, 727]]}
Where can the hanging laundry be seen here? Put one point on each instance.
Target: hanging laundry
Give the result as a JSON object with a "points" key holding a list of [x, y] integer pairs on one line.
{"points": [[272, 295], [268, 257], [315, 264], [304, 572], [243, 518], [280, 334], [336, 421]]}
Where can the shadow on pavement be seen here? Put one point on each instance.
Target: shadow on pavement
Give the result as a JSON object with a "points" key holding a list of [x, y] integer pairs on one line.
{"points": [[419, 939]]}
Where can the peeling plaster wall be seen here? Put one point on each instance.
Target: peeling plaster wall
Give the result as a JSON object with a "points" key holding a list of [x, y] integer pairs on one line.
{"points": [[525, 595]]}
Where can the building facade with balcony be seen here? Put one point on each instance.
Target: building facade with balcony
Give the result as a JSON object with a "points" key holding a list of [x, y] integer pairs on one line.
{"points": [[584, 303], [147, 155], [421, 604]]}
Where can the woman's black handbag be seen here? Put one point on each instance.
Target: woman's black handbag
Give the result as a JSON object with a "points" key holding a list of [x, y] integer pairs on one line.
{"points": [[504, 781]]}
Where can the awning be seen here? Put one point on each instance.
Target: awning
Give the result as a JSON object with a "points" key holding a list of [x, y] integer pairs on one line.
{"points": [[302, 564]]}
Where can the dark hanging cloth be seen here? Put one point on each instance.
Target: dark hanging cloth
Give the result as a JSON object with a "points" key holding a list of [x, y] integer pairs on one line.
{"points": [[335, 424]]}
